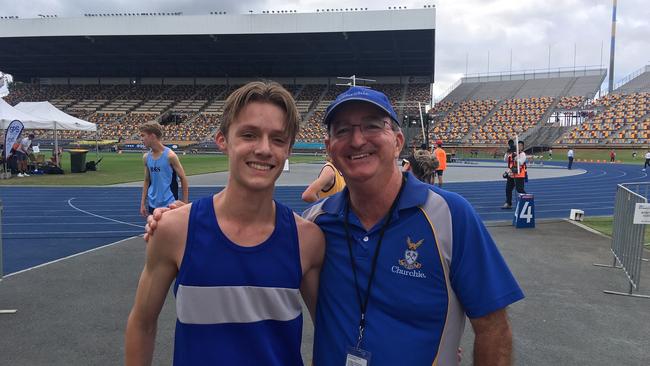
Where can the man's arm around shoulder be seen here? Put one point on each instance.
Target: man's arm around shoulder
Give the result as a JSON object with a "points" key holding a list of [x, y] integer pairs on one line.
{"points": [[164, 253], [312, 252]]}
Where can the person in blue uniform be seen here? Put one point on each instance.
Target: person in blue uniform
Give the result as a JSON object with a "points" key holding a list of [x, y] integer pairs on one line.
{"points": [[240, 260], [406, 263], [161, 169]]}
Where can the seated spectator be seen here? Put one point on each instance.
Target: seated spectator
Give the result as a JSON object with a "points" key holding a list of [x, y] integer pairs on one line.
{"points": [[55, 159]]}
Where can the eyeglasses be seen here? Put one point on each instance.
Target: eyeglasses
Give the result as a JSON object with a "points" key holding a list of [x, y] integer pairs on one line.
{"points": [[368, 129]]}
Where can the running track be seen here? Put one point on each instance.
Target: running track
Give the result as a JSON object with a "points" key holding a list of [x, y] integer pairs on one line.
{"points": [[42, 224]]}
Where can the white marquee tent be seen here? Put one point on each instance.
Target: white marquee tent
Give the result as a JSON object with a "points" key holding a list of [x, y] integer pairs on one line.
{"points": [[9, 113], [42, 115], [58, 120]]}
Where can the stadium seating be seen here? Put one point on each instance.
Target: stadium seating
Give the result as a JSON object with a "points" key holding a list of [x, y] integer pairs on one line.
{"points": [[623, 120], [461, 120], [313, 130], [571, 102], [479, 111], [513, 117]]}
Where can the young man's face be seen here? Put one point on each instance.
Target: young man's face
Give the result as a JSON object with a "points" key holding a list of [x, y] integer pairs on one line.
{"points": [[257, 145], [361, 156], [147, 139]]}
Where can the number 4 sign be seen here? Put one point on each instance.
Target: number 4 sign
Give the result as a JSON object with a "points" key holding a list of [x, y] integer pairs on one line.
{"points": [[525, 212]]}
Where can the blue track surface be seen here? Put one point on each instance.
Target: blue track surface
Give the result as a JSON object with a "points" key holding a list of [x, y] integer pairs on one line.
{"points": [[41, 224]]}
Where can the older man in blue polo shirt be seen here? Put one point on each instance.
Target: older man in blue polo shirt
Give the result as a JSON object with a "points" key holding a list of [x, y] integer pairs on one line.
{"points": [[405, 262]]}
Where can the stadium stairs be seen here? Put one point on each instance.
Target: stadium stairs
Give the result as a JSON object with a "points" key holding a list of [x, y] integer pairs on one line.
{"points": [[545, 136], [541, 123]]}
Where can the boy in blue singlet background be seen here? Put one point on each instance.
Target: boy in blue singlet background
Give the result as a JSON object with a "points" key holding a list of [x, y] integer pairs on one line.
{"points": [[161, 169]]}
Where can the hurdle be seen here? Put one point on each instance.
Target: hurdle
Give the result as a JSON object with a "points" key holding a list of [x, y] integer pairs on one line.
{"points": [[631, 214], [10, 311]]}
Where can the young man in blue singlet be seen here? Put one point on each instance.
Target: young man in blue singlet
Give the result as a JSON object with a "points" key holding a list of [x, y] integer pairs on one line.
{"points": [[240, 259], [161, 167]]}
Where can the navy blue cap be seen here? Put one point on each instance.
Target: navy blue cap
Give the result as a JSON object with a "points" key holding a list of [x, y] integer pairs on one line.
{"points": [[357, 93]]}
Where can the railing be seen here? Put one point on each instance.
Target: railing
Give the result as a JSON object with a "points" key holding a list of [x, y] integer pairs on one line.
{"points": [[628, 237], [534, 74], [604, 90], [523, 75]]}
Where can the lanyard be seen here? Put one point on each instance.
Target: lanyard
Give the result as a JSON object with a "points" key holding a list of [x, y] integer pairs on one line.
{"points": [[363, 304]]}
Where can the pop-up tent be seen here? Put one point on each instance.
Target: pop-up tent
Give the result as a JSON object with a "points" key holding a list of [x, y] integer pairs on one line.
{"points": [[42, 115], [59, 120], [9, 113]]}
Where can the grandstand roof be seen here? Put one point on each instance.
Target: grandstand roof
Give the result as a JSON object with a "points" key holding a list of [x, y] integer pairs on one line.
{"points": [[637, 82], [382, 43], [584, 83]]}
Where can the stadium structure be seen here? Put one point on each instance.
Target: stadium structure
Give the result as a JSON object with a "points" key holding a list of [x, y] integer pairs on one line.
{"points": [[121, 70]]}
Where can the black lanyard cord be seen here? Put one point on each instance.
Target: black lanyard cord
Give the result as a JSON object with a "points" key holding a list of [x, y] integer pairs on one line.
{"points": [[363, 304]]}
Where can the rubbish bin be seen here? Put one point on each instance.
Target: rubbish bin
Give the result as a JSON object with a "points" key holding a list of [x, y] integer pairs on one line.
{"points": [[78, 160]]}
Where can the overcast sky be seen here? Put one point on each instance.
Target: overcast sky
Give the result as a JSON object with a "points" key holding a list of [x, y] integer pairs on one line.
{"points": [[466, 30]]}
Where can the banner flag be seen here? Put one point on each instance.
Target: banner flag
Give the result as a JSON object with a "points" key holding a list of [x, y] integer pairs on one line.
{"points": [[11, 136]]}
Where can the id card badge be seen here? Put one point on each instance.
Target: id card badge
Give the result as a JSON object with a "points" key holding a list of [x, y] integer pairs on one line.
{"points": [[357, 357]]}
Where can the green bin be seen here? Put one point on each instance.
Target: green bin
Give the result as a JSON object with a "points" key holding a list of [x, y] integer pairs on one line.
{"points": [[78, 160]]}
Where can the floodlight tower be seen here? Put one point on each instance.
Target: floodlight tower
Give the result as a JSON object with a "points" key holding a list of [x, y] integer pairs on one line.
{"points": [[610, 87]]}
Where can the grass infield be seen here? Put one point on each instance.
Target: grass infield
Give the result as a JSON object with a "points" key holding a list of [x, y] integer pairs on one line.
{"points": [[595, 155], [604, 225], [128, 167]]}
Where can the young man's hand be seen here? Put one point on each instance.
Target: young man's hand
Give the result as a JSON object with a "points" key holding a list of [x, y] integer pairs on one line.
{"points": [[143, 210]]}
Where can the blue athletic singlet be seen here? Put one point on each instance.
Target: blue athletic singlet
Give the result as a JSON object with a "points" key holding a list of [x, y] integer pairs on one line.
{"points": [[238, 305], [162, 180]]}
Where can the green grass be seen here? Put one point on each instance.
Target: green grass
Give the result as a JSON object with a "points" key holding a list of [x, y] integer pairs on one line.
{"points": [[128, 167], [622, 155], [604, 225]]}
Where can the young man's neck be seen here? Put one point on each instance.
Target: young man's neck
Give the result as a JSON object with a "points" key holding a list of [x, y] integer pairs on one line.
{"points": [[243, 205], [372, 199], [157, 147]]}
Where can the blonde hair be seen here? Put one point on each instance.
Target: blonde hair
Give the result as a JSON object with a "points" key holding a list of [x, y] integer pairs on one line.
{"points": [[265, 92], [152, 127]]}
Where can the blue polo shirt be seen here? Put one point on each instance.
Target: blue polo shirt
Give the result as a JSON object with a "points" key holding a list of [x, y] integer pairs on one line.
{"points": [[437, 264]]}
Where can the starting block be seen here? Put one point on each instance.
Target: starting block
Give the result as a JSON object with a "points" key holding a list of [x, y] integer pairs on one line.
{"points": [[576, 215], [524, 212]]}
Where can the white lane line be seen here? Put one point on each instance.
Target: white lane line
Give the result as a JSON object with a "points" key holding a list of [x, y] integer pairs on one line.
{"points": [[58, 223], [100, 216], [22, 233], [68, 257], [57, 216]]}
